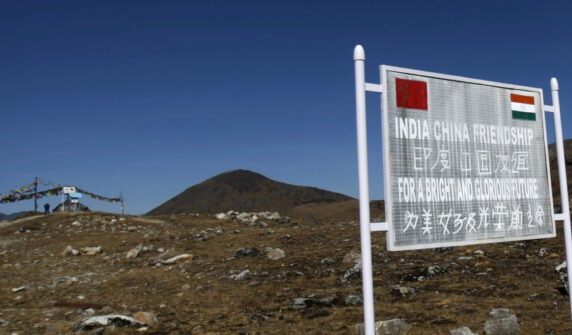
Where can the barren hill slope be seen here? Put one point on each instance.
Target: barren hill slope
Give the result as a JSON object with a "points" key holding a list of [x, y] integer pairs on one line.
{"points": [[554, 170], [244, 190]]}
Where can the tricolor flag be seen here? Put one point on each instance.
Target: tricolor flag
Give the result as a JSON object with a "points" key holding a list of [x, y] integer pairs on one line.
{"points": [[522, 107], [411, 93]]}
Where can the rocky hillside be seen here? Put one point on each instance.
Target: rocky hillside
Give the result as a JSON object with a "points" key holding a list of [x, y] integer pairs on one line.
{"points": [[98, 273], [554, 170], [244, 190]]}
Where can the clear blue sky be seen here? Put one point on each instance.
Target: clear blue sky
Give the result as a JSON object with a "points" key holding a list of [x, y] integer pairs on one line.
{"points": [[151, 97]]}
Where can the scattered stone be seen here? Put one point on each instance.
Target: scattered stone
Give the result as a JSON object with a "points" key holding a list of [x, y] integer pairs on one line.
{"points": [[131, 228], [116, 320], [65, 280], [299, 303], [134, 253], [352, 273], [147, 318], [276, 254], [19, 289], [202, 237], [327, 261], [222, 216], [434, 270], [69, 251], [388, 327], [285, 237], [246, 252], [283, 219], [4, 323], [91, 251], [244, 275], [26, 229], [403, 291], [76, 223], [542, 252], [532, 297], [465, 258], [181, 257], [352, 300], [476, 252], [562, 272], [303, 303], [352, 258], [502, 323], [462, 331]]}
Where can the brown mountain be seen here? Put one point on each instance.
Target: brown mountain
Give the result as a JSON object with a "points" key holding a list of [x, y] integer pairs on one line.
{"points": [[244, 190]]}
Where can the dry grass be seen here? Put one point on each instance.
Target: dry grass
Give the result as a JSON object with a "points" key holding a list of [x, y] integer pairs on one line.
{"points": [[199, 297]]}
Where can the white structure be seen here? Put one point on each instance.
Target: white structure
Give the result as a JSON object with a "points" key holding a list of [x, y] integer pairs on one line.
{"points": [[415, 105]]}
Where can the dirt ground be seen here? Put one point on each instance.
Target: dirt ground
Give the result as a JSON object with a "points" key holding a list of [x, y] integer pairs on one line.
{"points": [[44, 292]]}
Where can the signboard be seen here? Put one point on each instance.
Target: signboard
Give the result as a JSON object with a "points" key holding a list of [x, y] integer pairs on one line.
{"points": [[69, 189], [465, 161]]}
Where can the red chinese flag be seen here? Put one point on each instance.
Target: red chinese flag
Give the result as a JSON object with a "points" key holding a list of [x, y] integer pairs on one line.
{"points": [[411, 93]]}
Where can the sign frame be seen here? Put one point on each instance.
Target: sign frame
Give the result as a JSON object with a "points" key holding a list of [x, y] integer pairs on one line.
{"points": [[366, 227], [384, 69]]}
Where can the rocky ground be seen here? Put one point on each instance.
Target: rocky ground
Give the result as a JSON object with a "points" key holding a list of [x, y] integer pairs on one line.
{"points": [[189, 274]]}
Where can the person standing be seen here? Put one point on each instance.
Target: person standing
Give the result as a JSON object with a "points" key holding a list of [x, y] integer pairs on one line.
{"points": [[46, 209]]}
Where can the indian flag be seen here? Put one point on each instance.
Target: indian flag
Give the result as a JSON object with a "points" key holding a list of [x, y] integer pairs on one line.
{"points": [[522, 107]]}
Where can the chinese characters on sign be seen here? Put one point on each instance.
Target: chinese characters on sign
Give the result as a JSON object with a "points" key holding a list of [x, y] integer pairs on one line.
{"points": [[465, 161]]}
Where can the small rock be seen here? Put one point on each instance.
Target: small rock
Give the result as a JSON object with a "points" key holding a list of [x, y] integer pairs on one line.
{"points": [[532, 297], [503, 323], [283, 219], [134, 253], [69, 251], [18, 289], [434, 270], [403, 291], [181, 257], [147, 318], [500, 312], [285, 237], [327, 261], [116, 320], [131, 228], [276, 254], [462, 331], [243, 275], [222, 216], [300, 303], [76, 223], [562, 272], [352, 300], [352, 273], [91, 251], [388, 327], [26, 229], [542, 252], [476, 252], [465, 258], [352, 258], [246, 252]]}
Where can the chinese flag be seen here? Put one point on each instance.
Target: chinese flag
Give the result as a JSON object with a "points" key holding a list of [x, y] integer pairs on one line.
{"points": [[411, 93]]}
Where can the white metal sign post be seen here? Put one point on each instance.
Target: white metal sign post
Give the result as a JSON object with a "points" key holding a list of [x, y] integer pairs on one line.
{"points": [[465, 162]]}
